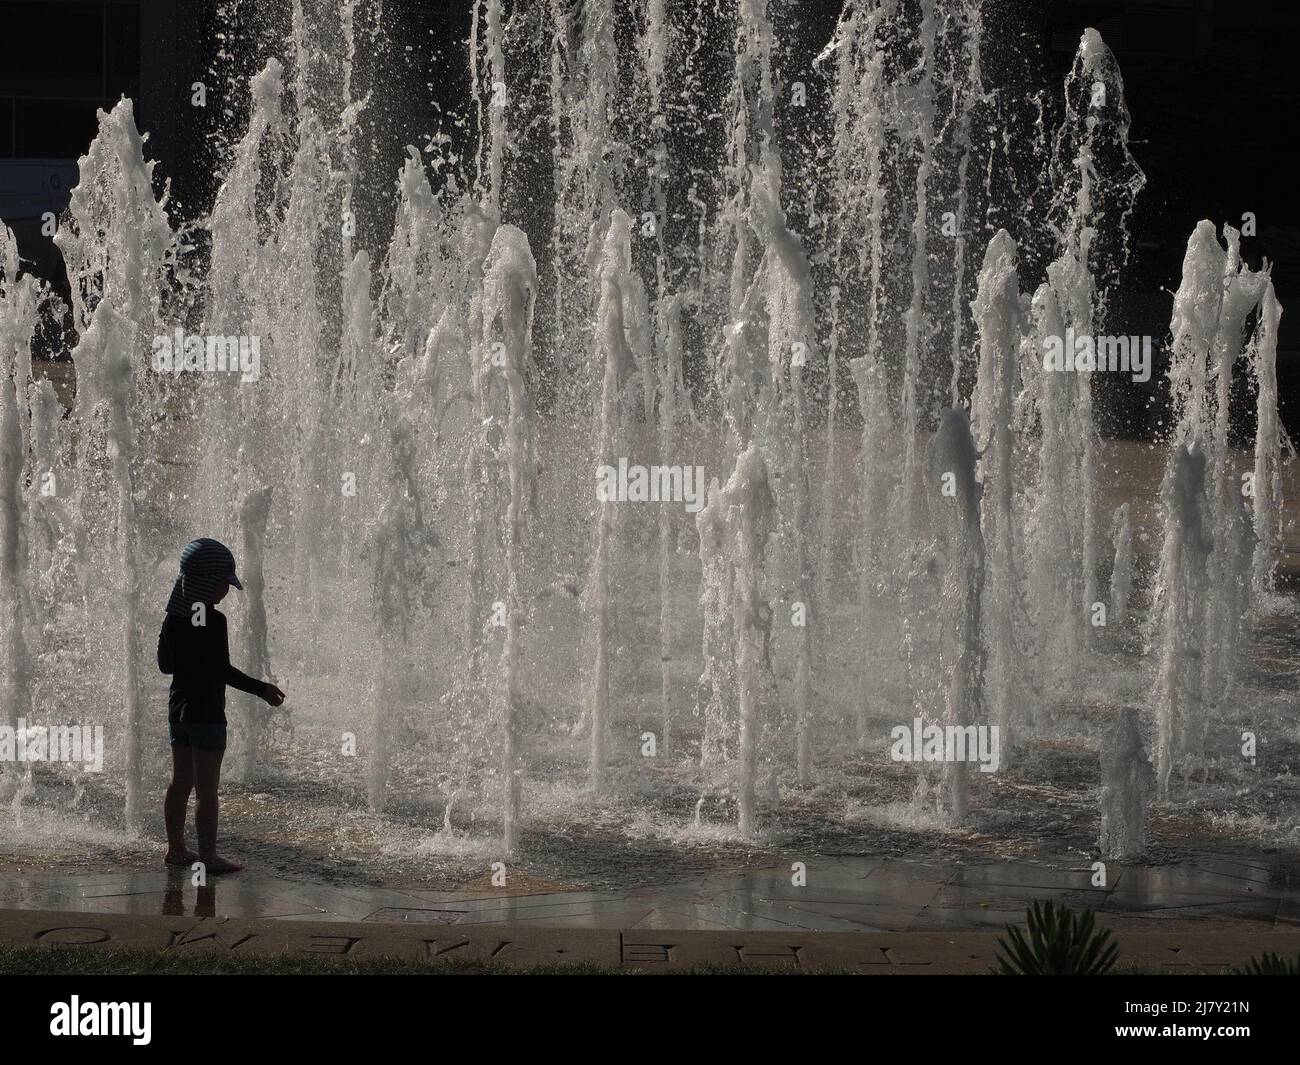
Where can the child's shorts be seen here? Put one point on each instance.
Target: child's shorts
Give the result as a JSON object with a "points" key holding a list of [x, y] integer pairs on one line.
{"points": [[199, 735]]}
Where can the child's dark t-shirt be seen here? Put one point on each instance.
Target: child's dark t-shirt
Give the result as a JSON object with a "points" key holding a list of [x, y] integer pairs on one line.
{"points": [[198, 659]]}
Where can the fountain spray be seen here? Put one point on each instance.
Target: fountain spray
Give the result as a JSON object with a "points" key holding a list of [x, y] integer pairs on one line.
{"points": [[621, 337], [509, 296], [997, 312], [956, 520], [1179, 613], [1267, 510], [118, 247], [736, 524]]}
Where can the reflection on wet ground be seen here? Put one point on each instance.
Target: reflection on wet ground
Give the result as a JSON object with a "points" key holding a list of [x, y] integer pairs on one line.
{"points": [[842, 894]]}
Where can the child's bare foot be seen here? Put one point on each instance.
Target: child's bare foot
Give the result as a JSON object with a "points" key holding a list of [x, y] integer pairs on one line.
{"points": [[184, 856], [215, 865]]}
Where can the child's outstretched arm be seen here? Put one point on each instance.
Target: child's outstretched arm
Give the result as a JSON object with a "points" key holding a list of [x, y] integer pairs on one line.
{"points": [[262, 689], [237, 678]]}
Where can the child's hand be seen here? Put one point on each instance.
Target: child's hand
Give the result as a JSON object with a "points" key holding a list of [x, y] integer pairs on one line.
{"points": [[273, 695]]}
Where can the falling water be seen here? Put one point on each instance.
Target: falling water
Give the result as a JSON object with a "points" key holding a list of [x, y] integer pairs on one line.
{"points": [[620, 321], [256, 659], [997, 313], [509, 296], [1126, 786], [406, 513], [18, 305], [736, 523], [118, 247], [1267, 491], [1121, 573], [1181, 601], [956, 522]]}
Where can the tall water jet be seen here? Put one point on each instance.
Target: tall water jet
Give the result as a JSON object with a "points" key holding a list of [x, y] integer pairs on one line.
{"points": [[955, 516], [1179, 613], [1230, 605], [1214, 300], [432, 394], [672, 393], [118, 248], [1126, 780], [509, 296], [1052, 582], [345, 136], [1266, 511], [750, 108], [586, 94], [620, 337], [16, 690], [916, 325], [1231, 563], [306, 373], [490, 157], [826, 505], [997, 312], [256, 659], [874, 486], [393, 543], [359, 392], [1096, 180], [408, 302], [735, 525], [18, 309], [1096, 183], [860, 153], [478, 232], [239, 284], [53, 531], [1244, 289], [399, 543], [787, 284], [972, 30]]}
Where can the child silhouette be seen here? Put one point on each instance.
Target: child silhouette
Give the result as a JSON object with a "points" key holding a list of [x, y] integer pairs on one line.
{"points": [[194, 648]]}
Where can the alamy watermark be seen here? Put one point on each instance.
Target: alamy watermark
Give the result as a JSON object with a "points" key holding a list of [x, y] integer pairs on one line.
{"points": [[177, 352], [1083, 352], [632, 483], [81, 744], [74, 1017], [947, 743]]}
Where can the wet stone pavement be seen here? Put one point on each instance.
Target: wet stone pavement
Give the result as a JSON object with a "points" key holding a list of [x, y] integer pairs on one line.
{"points": [[840, 895]]}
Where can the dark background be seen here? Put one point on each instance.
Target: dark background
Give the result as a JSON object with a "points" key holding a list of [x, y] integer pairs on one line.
{"points": [[1212, 87]]}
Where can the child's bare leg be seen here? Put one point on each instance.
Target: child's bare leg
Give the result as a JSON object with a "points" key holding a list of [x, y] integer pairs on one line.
{"points": [[207, 776], [175, 804]]}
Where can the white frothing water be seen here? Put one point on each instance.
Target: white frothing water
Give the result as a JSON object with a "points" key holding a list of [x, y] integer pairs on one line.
{"points": [[618, 315], [509, 297], [472, 601], [997, 314]]}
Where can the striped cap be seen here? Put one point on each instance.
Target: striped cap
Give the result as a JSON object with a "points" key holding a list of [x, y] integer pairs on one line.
{"points": [[205, 564]]}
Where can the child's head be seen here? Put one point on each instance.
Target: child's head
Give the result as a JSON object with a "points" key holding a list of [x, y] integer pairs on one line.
{"points": [[207, 575]]}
